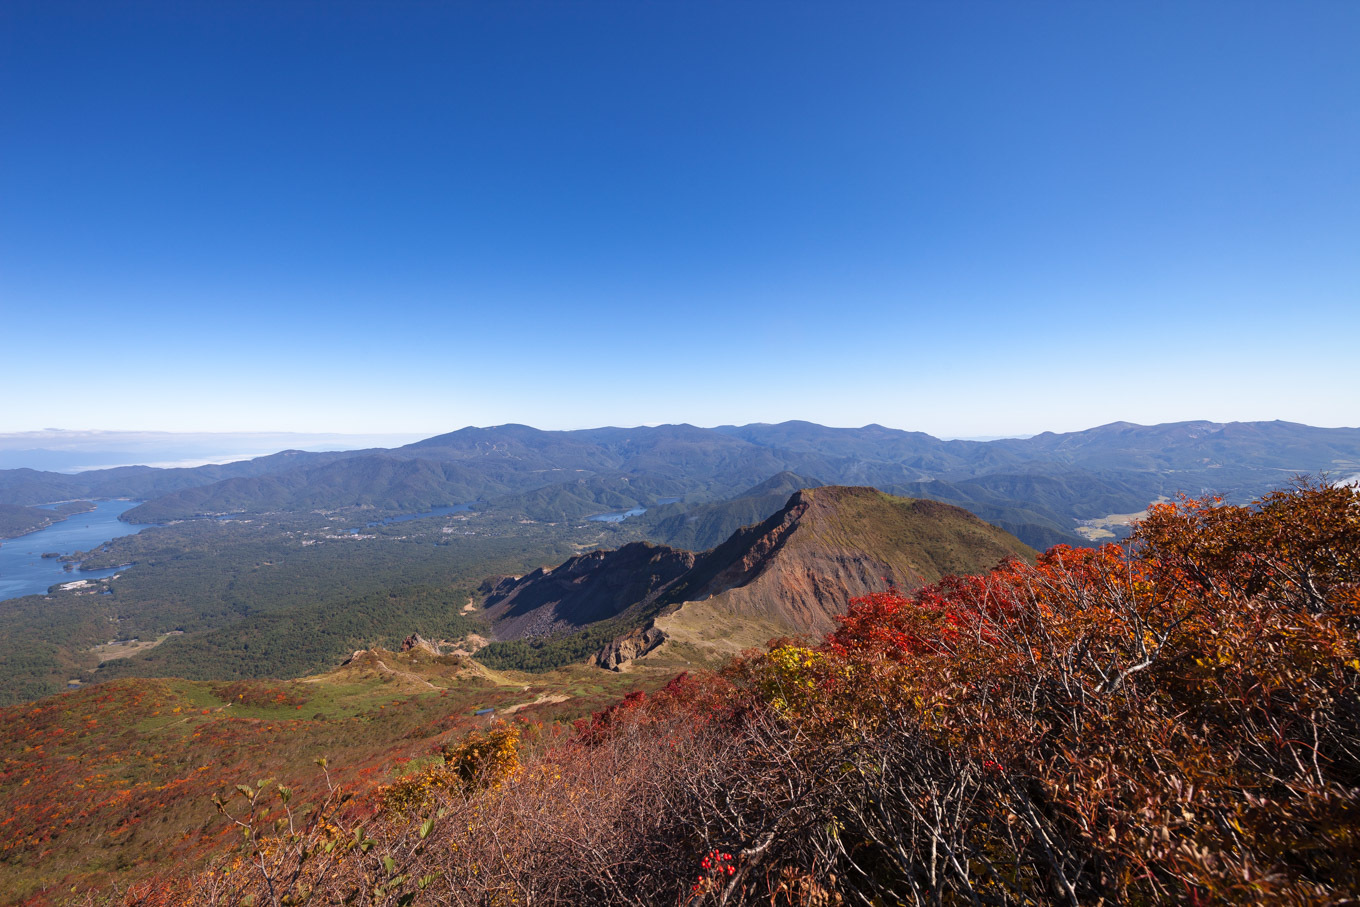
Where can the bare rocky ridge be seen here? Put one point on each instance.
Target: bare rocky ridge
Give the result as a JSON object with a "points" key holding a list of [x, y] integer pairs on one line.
{"points": [[802, 566], [791, 574]]}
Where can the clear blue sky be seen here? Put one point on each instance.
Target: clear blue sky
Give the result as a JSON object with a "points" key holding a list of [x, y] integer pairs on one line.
{"points": [[963, 218]]}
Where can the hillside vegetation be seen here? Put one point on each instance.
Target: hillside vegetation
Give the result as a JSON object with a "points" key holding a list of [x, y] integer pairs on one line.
{"points": [[111, 784], [267, 598], [1172, 721]]}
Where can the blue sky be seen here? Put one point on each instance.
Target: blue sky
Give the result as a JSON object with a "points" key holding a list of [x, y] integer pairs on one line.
{"points": [[962, 218]]}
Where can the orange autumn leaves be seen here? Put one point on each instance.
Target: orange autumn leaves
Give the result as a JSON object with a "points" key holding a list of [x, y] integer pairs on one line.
{"points": [[1178, 719]]}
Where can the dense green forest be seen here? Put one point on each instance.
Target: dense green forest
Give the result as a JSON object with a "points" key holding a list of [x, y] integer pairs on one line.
{"points": [[271, 599], [303, 639], [16, 521], [538, 655]]}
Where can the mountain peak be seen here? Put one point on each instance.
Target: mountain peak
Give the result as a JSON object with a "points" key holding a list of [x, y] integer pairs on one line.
{"points": [[792, 573], [795, 572]]}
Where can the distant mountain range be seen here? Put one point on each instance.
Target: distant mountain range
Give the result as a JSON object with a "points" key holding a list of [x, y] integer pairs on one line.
{"points": [[1037, 488]]}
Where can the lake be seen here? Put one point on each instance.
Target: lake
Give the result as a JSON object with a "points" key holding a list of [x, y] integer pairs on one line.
{"points": [[408, 517], [621, 515], [24, 570], [617, 517]]}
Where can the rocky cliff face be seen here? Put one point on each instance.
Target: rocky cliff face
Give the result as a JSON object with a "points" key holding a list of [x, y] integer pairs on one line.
{"points": [[631, 645], [417, 643]]}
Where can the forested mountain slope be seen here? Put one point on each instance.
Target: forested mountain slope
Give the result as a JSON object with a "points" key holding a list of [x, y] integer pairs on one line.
{"points": [[1035, 487]]}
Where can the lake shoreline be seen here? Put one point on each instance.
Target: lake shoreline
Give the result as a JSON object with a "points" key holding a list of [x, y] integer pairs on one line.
{"points": [[25, 567], [60, 517]]}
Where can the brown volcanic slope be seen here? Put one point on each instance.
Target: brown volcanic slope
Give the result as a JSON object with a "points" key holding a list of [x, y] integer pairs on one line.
{"points": [[788, 575], [796, 571]]}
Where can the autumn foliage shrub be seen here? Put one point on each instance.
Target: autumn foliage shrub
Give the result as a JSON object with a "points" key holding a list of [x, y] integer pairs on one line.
{"points": [[1173, 720], [481, 759]]}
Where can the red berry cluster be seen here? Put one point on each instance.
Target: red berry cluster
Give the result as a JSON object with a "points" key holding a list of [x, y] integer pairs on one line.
{"points": [[715, 865]]}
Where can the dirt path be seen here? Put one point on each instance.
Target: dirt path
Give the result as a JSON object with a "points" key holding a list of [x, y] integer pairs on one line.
{"points": [[545, 699]]}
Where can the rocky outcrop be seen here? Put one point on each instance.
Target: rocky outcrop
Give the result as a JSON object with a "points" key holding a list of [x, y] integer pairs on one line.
{"points": [[633, 644], [498, 584], [417, 643]]}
